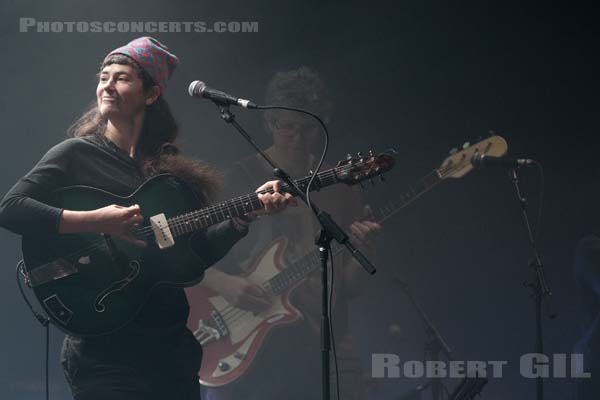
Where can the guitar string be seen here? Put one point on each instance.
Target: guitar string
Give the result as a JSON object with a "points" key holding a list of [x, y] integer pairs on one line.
{"points": [[240, 201], [229, 312], [232, 314], [103, 244], [147, 232], [298, 269], [310, 261], [226, 312], [311, 258], [100, 244], [176, 225], [231, 318], [182, 220]]}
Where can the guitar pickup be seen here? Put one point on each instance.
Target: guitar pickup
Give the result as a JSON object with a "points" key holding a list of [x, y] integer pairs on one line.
{"points": [[162, 232]]}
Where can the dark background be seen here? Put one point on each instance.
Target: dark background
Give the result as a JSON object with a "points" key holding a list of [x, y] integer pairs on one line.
{"points": [[417, 76]]}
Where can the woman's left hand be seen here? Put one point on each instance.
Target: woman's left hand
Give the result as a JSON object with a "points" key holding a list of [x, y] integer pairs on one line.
{"points": [[276, 201]]}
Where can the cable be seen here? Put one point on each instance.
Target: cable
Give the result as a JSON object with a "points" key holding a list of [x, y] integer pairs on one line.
{"points": [[539, 216], [335, 361], [325, 147], [47, 361], [45, 321]]}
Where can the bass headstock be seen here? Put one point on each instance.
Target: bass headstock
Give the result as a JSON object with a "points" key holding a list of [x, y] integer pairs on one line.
{"points": [[458, 164]]}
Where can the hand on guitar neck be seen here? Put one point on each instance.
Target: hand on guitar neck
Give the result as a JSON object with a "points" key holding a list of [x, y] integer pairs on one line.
{"points": [[119, 221], [364, 232], [238, 290], [276, 201]]}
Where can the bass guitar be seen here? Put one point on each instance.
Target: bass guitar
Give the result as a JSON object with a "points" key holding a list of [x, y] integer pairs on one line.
{"points": [[232, 336]]}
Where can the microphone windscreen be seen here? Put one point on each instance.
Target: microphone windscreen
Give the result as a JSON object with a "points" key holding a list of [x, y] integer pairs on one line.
{"points": [[196, 87]]}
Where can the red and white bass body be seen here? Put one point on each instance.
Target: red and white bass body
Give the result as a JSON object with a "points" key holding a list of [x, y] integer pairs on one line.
{"points": [[231, 336]]}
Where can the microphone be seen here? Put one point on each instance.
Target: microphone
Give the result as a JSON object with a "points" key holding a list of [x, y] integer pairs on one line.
{"points": [[199, 89], [483, 161]]}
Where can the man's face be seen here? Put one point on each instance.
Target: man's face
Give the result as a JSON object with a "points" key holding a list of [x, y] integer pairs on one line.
{"points": [[120, 92], [293, 133]]}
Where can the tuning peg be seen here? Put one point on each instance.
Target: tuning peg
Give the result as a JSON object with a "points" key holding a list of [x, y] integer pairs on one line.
{"points": [[453, 150], [466, 145], [310, 172], [370, 153], [348, 156], [359, 154]]}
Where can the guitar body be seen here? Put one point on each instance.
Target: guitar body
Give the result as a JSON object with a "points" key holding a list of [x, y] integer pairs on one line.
{"points": [[232, 337], [90, 284]]}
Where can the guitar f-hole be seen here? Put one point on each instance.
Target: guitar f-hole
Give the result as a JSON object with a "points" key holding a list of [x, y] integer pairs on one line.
{"points": [[117, 286]]}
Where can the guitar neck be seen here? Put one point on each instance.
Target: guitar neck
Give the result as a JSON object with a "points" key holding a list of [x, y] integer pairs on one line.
{"points": [[413, 192], [311, 261], [239, 206]]}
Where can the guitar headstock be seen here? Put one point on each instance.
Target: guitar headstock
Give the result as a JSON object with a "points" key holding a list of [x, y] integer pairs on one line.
{"points": [[458, 164], [354, 170]]}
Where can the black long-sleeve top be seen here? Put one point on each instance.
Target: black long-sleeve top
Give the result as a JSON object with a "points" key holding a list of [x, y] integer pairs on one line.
{"points": [[96, 161]]}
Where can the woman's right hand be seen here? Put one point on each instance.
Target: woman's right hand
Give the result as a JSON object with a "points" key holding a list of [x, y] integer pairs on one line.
{"points": [[119, 221], [114, 220]]}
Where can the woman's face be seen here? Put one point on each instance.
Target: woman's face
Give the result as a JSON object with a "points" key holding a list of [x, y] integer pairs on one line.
{"points": [[120, 92]]}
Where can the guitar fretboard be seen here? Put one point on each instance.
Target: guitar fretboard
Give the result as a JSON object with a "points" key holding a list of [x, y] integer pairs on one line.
{"points": [[299, 269], [239, 206], [413, 192]]}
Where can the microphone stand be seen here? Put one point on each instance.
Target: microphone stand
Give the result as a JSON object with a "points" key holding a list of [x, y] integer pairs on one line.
{"points": [[540, 289], [434, 346], [329, 230]]}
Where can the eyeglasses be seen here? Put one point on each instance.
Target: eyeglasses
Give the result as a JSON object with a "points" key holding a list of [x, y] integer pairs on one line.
{"points": [[298, 126]]}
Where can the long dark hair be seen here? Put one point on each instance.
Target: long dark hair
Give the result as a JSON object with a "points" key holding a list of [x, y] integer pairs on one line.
{"points": [[155, 150]]}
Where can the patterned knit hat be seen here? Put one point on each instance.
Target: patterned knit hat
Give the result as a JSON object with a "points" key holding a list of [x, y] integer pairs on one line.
{"points": [[152, 56]]}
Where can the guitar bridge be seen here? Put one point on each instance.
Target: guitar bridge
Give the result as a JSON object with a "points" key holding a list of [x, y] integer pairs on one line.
{"points": [[215, 331]]}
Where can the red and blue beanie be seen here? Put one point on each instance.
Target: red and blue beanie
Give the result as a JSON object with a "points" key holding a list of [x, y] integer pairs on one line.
{"points": [[152, 56]]}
